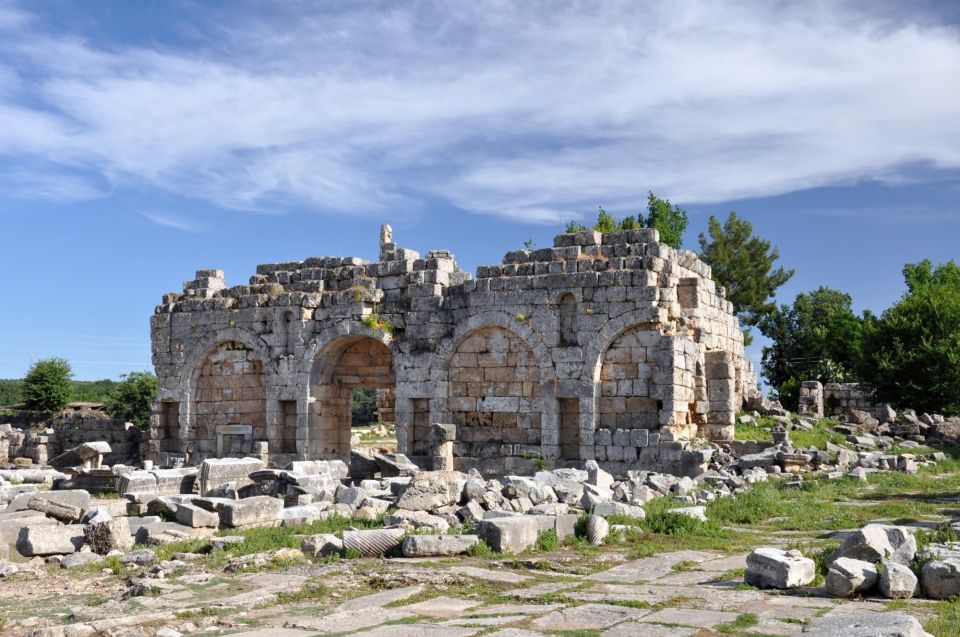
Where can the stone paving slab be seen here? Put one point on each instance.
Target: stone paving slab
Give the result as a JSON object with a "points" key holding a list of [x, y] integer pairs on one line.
{"points": [[518, 609], [490, 576], [419, 630], [694, 617], [382, 598], [442, 607], [346, 621], [545, 588], [587, 616], [274, 632], [633, 629], [496, 620], [515, 632], [686, 578], [724, 564], [650, 568]]}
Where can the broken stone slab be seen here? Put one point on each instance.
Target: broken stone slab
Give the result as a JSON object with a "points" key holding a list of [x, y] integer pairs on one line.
{"points": [[169, 532], [606, 509], [262, 510], [597, 476], [79, 559], [861, 623], [876, 542], [8, 493], [227, 490], [395, 465], [429, 490], [372, 542], [695, 512], [776, 568], [512, 534], [352, 496], [437, 545], [303, 514], [57, 510], [216, 471], [193, 516], [11, 524], [417, 520], [897, 581], [322, 544], [73, 497], [140, 557], [86, 454], [848, 576], [42, 540], [941, 578], [109, 535], [362, 465], [335, 469], [221, 542]]}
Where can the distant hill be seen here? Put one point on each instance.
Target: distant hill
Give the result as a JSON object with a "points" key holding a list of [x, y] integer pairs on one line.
{"points": [[93, 391]]}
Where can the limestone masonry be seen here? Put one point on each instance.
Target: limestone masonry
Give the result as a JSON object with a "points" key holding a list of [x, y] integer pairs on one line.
{"points": [[609, 347]]}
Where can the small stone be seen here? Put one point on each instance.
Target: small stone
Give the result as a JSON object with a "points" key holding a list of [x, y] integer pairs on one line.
{"points": [[847, 576], [322, 544], [513, 534], [897, 581]]}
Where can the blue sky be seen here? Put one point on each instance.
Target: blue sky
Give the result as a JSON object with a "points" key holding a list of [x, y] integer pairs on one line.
{"points": [[140, 141]]}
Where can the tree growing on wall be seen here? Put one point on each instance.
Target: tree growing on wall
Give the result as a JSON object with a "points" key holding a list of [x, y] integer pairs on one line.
{"points": [[46, 386], [911, 353], [743, 264], [670, 221], [132, 398], [816, 338]]}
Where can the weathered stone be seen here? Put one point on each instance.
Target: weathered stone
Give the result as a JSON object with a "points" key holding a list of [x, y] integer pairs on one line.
{"points": [[194, 516], [513, 534], [58, 510], [776, 568], [140, 557], [373, 542], [695, 512], [847, 576], [940, 578], [597, 529], [395, 465], [416, 520], [437, 545], [322, 544], [861, 623], [429, 490], [79, 559], [217, 471], [110, 535], [876, 542], [258, 510], [597, 476], [606, 509], [86, 454], [50, 540], [897, 581]]}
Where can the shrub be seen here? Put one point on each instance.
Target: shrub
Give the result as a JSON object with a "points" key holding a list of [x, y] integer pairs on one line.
{"points": [[47, 385], [132, 398]]}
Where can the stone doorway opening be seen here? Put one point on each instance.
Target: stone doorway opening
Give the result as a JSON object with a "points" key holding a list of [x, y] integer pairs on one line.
{"points": [[351, 375]]}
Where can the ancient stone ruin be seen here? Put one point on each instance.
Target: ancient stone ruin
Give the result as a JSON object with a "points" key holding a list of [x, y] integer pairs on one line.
{"points": [[609, 347]]}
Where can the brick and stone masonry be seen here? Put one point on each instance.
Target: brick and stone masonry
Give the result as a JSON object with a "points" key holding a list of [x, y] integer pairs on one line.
{"points": [[613, 347]]}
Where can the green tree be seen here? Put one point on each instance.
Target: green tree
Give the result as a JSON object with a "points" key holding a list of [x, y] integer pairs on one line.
{"points": [[817, 338], [132, 398], [574, 227], [629, 223], [46, 386], [670, 221], [911, 353], [743, 264], [605, 222], [11, 392]]}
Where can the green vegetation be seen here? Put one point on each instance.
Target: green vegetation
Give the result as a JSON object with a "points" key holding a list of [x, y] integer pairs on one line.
{"points": [[311, 591], [742, 621], [132, 398], [47, 385], [363, 406], [670, 221], [818, 437], [743, 264], [911, 353], [817, 338]]}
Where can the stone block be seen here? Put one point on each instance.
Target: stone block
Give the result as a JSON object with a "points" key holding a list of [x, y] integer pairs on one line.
{"points": [[514, 534], [848, 576], [776, 568], [940, 578], [43, 540], [897, 581], [216, 471], [109, 535], [196, 517], [258, 510], [437, 545]]}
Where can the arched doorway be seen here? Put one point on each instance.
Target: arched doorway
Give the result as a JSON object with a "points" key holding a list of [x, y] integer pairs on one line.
{"points": [[345, 364]]}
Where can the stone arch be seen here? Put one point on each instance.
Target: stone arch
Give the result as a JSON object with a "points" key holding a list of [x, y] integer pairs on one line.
{"points": [[340, 360], [597, 346], [495, 398], [628, 394], [191, 440]]}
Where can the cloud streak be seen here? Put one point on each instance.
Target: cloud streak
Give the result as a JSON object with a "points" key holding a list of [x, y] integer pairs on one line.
{"points": [[170, 221], [537, 111]]}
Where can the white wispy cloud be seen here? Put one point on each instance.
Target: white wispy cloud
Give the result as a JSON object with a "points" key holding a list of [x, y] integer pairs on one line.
{"points": [[170, 221], [537, 111]]}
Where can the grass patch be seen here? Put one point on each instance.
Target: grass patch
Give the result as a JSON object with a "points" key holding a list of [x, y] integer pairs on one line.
{"points": [[742, 622], [548, 541], [946, 621], [311, 591]]}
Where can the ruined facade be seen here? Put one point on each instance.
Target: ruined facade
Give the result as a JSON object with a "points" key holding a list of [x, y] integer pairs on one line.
{"points": [[613, 347]]}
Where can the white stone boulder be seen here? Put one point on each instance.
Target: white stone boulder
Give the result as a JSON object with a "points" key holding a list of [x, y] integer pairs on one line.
{"points": [[510, 534], [429, 490], [876, 542], [437, 545], [776, 568], [941, 578], [848, 576], [897, 581], [258, 510]]}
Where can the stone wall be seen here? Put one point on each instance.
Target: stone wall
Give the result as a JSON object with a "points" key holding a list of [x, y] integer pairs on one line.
{"points": [[69, 430], [835, 399], [563, 353]]}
